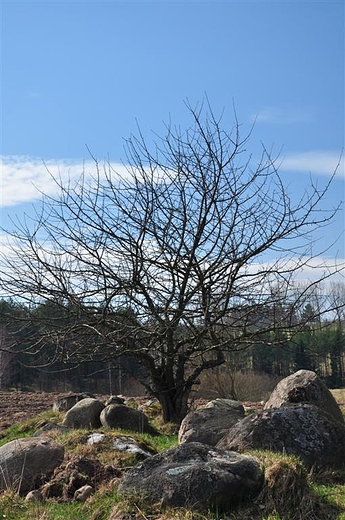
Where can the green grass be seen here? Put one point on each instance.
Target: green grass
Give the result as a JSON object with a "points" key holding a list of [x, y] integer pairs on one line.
{"points": [[333, 494], [161, 443], [99, 506], [29, 427]]}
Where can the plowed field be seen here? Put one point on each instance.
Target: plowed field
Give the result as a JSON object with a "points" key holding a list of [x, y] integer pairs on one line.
{"points": [[18, 406]]}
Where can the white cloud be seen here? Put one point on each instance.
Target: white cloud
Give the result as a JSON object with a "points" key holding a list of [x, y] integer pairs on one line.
{"points": [[319, 162], [24, 179], [281, 116], [309, 270]]}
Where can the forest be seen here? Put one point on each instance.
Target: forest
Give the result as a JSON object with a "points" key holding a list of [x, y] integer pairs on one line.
{"points": [[27, 365]]}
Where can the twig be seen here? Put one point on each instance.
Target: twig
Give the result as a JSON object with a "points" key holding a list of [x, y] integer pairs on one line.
{"points": [[140, 512]]}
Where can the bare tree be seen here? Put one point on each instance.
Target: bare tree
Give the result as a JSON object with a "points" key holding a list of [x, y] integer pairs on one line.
{"points": [[165, 263]]}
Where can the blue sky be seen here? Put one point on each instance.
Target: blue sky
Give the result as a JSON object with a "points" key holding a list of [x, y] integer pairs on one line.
{"points": [[81, 73]]}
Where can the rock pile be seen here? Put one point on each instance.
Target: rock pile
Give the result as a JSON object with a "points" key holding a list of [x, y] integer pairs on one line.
{"points": [[207, 470], [300, 418]]}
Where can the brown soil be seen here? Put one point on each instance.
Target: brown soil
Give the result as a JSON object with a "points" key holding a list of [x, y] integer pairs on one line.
{"points": [[76, 472], [19, 406]]}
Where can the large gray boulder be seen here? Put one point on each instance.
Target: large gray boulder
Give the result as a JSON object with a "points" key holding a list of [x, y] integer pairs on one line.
{"points": [[209, 425], [85, 414], [126, 418], [195, 476], [298, 429], [305, 387], [26, 463]]}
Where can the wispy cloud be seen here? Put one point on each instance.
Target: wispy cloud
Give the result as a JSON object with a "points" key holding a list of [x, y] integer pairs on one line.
{"points": [[24, 179], [282, 116], [319, 162], [308, 269]]}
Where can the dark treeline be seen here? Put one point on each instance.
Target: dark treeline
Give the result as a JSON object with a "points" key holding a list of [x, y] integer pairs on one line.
{"points": [[26, 366]]}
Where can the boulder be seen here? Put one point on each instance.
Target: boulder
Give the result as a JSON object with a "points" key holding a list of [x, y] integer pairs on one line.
{"points": [[306, 387], [298, 429], [34, 496], [210, 424], [115, 399], [126, 418], [130, 445], [65, 403], [49, 427], [194, 476], [84, 414], [25, 463]]}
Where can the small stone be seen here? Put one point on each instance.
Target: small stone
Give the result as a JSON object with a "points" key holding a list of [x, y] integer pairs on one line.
{"points": [[34, 496], [83, 493], [95, 438]]}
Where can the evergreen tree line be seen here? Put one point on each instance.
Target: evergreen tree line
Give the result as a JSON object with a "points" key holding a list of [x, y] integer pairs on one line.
{"points": [[319, 346]]}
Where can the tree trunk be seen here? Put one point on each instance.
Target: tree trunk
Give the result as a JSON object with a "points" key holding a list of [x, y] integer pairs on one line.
{"points": [[174, 404]]}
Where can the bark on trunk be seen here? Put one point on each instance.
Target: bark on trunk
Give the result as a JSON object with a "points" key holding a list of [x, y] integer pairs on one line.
{"points": [[174, 405]]}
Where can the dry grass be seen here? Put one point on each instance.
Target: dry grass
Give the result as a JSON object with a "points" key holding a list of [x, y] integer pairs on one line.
{"points": [[243, 386], [287, 492], [339, 395]]}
